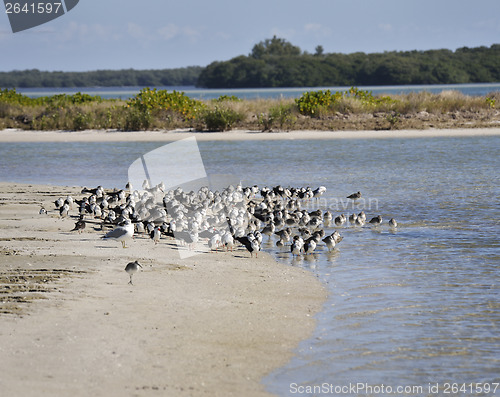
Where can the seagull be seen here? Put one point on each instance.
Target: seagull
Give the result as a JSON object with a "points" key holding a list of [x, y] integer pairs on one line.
{"points": [[121, 233], [214, 242], [354, 196], [132, 268]]}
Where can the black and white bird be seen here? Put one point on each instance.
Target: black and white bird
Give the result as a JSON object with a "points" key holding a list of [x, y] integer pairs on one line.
{"points": [[309, 246], [393, 223], [156, 234], [251, 244], [131, 268]]}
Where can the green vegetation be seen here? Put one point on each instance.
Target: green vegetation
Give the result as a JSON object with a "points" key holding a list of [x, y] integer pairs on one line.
{"points": [[153, 109], [277, 63], [101, 78]]}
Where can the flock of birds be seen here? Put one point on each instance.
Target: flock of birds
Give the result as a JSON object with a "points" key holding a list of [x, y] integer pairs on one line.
{"points": [[219, 220]]}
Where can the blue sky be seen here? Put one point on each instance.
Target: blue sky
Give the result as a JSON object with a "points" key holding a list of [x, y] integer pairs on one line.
{"points": [[157, 34]]}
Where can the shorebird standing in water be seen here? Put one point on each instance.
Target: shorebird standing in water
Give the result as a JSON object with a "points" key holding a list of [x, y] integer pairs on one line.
{"points": [[131, 268], [354, 196], [376, 220]]}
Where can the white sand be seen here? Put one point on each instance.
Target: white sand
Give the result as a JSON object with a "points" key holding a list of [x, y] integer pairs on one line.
{"points": [[167, 136], [210, 325]]}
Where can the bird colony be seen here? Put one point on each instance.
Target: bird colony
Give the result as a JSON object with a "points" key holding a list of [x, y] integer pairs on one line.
{"points": [[231, 219]]}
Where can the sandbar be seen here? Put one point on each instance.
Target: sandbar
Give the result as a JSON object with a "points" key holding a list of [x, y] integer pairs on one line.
{"points": [[13, 135], [210, 325]]}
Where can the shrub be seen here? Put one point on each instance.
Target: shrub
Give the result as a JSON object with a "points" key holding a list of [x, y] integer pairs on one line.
{"points": [[137, 120], [82, 121], [220, 118], [310, 102], [318, 103], [152, 100], [280, 115], [227, 98]]}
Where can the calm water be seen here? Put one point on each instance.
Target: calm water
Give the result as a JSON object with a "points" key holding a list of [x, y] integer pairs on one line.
{"points": [[413, 306], [248, 93]]}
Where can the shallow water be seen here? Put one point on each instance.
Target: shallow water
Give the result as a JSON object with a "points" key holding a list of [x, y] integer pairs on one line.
{"points": [[411, 306], [252, 93]]}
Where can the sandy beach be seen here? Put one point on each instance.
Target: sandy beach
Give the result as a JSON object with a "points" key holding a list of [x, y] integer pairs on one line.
{"points": [[213, 324], [11, 135]]}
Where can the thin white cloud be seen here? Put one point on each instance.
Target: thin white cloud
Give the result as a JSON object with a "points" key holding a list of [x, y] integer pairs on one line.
{"points": [[136, 31], [317, 29], [171, 31], [168, 32], [386, 27]]}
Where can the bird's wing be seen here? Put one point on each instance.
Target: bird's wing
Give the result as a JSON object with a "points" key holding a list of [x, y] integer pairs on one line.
{"points": [[116, 233]]}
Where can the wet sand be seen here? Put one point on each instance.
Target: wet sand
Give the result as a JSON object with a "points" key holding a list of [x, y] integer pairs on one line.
{"points": [[168, 136], [212, 325]]}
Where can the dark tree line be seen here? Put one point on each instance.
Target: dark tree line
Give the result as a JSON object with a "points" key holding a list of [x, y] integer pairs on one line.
{"points": [[277, 63], [101, 78]]}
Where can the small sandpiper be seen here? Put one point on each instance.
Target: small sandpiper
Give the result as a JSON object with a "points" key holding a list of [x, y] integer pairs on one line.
{"points": [[354, 196], [132, 268]]}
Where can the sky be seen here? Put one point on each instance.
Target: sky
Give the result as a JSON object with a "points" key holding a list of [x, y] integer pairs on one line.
{"points": [[160, 34]]}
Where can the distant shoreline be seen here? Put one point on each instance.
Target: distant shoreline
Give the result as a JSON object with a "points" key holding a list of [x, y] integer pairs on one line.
{"points": [[13, 135]]}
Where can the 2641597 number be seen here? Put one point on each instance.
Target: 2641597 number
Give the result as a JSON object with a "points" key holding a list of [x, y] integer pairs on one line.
{"points": [[40, 8], [455, 388]]}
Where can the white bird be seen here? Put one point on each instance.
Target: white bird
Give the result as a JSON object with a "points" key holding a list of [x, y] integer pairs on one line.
{"points": [[228, 241], [132, 268], [214, 242], [121, 233], [297, 245]]}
